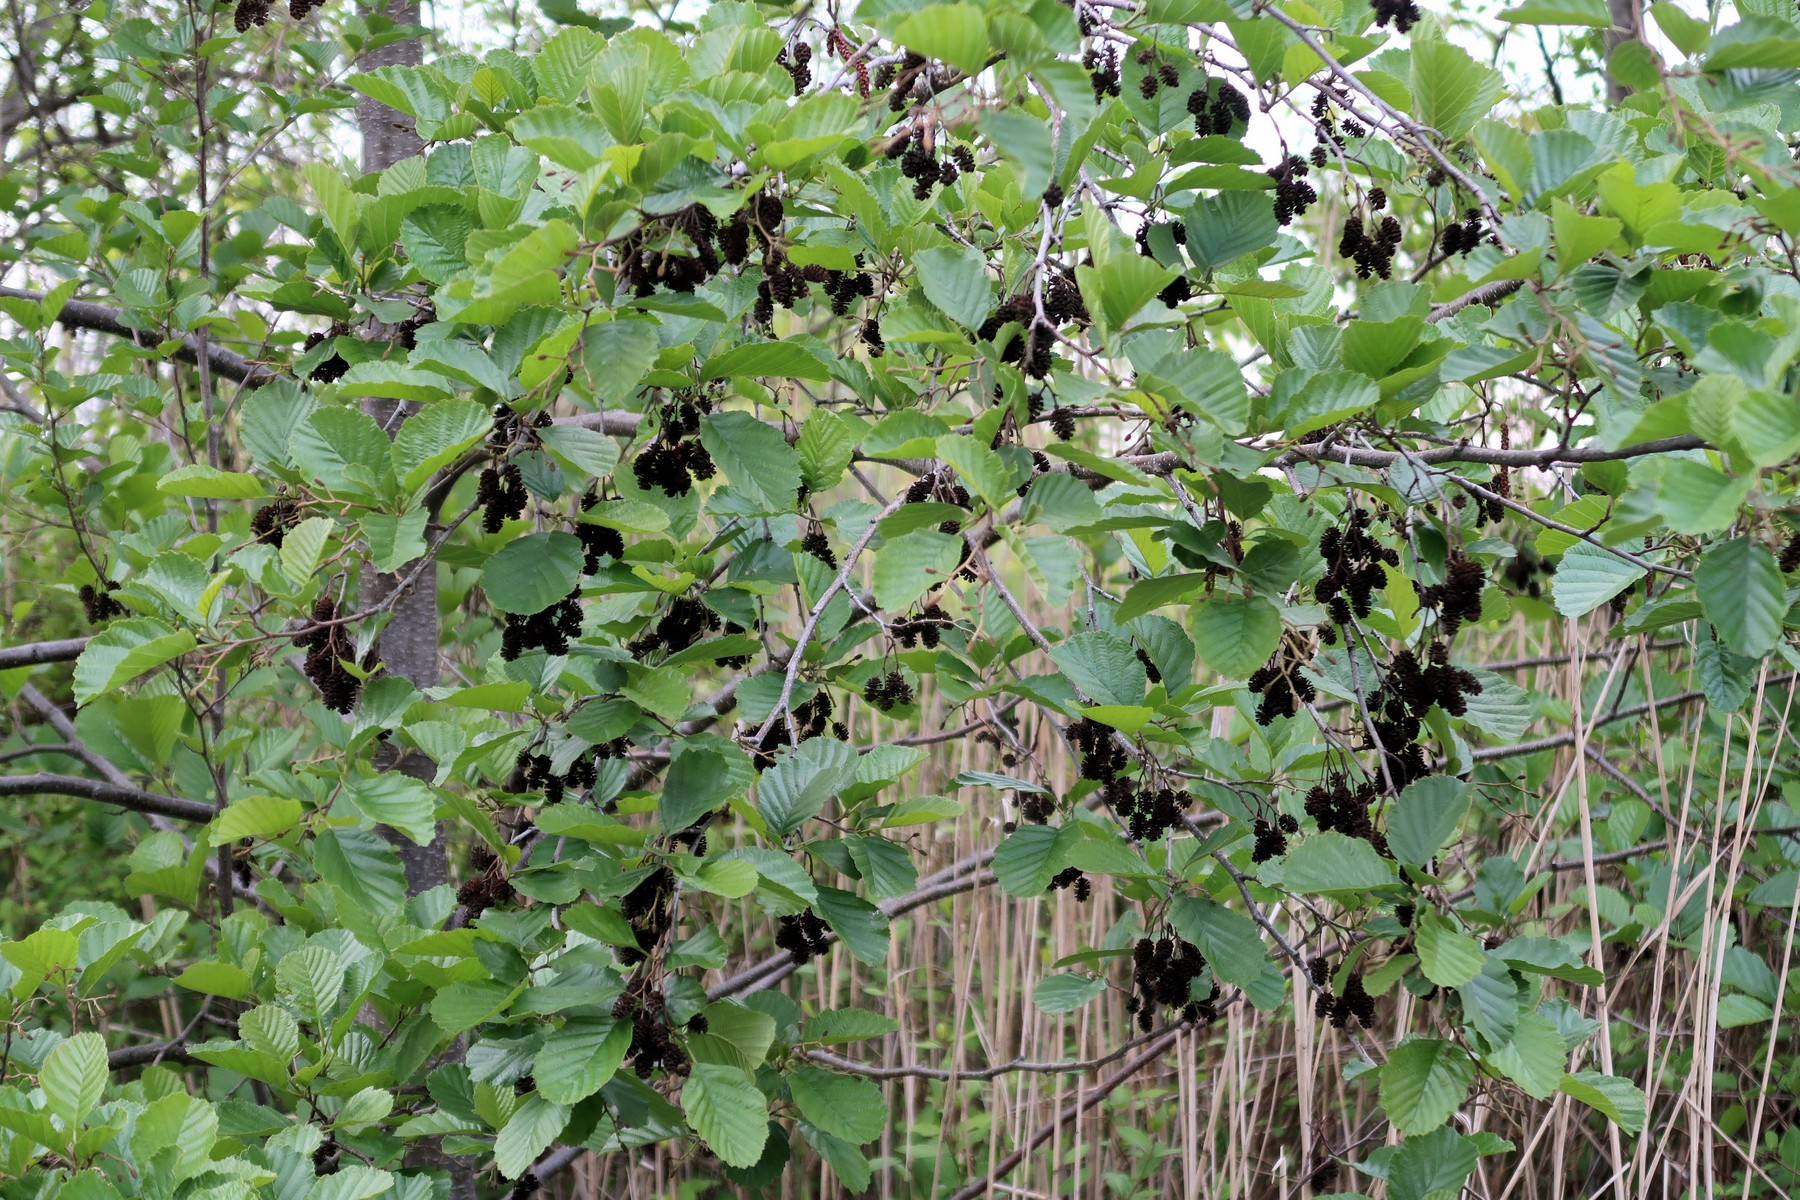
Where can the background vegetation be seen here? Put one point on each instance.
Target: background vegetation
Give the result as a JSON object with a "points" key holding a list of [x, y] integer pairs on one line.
{"points": [[1177, 598]]}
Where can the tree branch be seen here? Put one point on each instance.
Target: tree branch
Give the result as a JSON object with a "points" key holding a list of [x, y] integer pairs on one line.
{"points": [[149, 1054], [976, 1074], [613, 421], [101, 318], [34, 654], [1555, 740], [105, 793]]}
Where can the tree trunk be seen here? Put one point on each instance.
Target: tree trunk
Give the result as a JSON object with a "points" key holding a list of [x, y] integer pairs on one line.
{"points": [[1627, 26], [408, 645]]}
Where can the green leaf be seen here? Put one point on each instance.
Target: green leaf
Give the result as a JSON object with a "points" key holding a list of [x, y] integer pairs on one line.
{"points": [[364, 865], [1031, 855], [1447, 957], [1450, 90], [354, 1182], [524, 275], [615, 355], [761, 360], [583, 451], [270, 1029], [255, 817], [954, 33], [400, 802], [1148, 595], [1206, 382], [364, 1109], [797, 787], [843, 1025], [662, 691], [1433, 1166], [313, 976], [1534, 1057], [534, 1125], [698, 781], [1228, 938], [1103, 666], [862, 926], [1325, 398], [1588, 577], [578, 1059], [341, 206], [1591, 13], [394, 381], [1587, 513], [955, 280], [1579, 237], [215, 979], [532, 573], [736, 1036], [1120, 281], [393, 541], [729, 877], [74, 1077], [1767, 425], [1066, 992], [416, 91], [825, 450], [1492, 1001], [566, 136], [1331, 863], [1025, 140], [1222, 229], [302, 546], [343, 449], [436, 436], [755, 457], [1742, 594], [433, 236], [841, 1105], [728, 1112], [125, 650], [1620, 1100], [1549, 956], [1236, 635], [1757, 42], [1423, 1082], [1424, 817], [210, 483], [908, 567]]}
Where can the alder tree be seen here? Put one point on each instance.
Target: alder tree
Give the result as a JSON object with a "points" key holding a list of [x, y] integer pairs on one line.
{"points": [[486, 620]]}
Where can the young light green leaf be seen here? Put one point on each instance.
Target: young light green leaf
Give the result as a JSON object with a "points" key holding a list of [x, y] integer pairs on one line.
{"points": [[74, 1077]]}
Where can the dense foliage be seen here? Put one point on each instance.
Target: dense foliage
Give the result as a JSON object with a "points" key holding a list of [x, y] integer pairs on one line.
{"points": [[483, 629]]}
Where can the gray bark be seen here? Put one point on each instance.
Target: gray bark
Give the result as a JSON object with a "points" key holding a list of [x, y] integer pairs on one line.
{"points": [[1627, 25], [408, 645]]}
